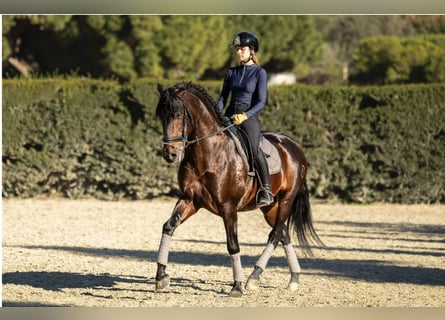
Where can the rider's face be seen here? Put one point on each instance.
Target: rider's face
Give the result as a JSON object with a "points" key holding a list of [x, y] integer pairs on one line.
{"points": [[243, 53]]}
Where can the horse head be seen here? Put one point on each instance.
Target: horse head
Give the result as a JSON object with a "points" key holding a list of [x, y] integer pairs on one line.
{"points": [[174, 115], [186, 110]]}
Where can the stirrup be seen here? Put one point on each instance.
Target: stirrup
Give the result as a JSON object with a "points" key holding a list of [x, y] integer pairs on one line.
{"points": [[264, 197]]}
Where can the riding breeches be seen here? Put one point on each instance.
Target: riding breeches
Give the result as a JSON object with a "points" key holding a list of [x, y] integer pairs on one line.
{"points": [[252, 128]]}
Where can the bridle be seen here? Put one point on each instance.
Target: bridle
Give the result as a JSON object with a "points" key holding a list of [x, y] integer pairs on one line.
{"points": [[185, 143]]}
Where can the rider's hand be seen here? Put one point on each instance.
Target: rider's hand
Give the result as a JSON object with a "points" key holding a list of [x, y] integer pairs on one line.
{"points": [[239, 118]]}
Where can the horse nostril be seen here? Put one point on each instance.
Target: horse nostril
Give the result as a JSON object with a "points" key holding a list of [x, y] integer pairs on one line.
{"points": [[170, 156]]}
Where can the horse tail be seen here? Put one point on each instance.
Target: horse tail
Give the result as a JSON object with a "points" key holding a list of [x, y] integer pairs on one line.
{"points": [[300, 219]]}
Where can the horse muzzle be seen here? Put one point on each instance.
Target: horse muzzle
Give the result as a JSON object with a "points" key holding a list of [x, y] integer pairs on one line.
{"points": [[173, 153]]}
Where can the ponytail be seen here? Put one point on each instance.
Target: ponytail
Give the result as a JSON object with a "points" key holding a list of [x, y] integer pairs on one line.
{"points": [[255, 59]]}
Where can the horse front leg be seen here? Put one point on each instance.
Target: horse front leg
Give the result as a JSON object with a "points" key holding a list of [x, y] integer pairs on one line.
{"points": [[184, 208], [231, 226]]}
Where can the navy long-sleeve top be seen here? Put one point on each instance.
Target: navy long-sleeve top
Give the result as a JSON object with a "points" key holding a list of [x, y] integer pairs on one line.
{"points": [[248, 84]]}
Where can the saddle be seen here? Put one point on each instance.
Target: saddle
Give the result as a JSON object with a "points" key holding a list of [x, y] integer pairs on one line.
{"points": [[244, 149]]}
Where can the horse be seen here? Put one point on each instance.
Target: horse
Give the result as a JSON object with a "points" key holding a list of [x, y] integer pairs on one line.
{"points": [[212, 176]]}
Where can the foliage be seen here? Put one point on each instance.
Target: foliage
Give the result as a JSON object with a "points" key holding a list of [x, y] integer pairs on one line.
{"points": [[175, 47], [188, 44], [77, 138], [82, 137], [316, 49], [388, 60], [428, 24], [344, 32], [367, 144], [287, 43]]}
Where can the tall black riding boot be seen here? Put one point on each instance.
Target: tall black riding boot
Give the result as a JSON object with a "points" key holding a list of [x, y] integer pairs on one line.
{"points": [[264, 195]]}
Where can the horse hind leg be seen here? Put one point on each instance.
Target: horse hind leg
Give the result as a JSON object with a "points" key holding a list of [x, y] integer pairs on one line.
{"points": [[292, 260], [254, 280]]}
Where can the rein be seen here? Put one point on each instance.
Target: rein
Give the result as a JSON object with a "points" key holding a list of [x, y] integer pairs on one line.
{"points": [[187, 143], [190, 142]]}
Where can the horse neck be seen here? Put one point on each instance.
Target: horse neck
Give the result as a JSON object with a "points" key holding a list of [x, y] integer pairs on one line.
{"points": [[203, 118], [208, 130]]}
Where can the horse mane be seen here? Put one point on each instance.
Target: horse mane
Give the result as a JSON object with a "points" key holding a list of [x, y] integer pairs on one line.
{"points": [[175, 103]]}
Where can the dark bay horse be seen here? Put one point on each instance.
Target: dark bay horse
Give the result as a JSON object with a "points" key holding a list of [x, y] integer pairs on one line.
{"points": [[212, 176]]}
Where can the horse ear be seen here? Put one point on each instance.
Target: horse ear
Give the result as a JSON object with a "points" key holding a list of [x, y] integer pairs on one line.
{"points": [[160, 89]]}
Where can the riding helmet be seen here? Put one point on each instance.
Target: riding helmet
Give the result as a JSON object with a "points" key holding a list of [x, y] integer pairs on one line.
{"points": [[245, 39]]}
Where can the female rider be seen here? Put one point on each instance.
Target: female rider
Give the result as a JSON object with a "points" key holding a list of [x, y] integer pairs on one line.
{"points": [[248, 84]]}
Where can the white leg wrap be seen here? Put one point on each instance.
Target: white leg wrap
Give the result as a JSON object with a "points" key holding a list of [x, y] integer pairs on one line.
{"points": [[265, 256], [164, 248], [292, 260], [237, 268]]}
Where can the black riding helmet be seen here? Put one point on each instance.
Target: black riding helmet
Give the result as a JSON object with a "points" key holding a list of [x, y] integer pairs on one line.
{"points": [[245, 39]]}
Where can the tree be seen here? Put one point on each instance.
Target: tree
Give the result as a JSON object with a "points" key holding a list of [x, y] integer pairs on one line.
{"points": [[146, 46], [388, 60], [287, 43], [375, 60], [427, 24], [127, 47], [343, 33], [31, 43], [191, 44]]}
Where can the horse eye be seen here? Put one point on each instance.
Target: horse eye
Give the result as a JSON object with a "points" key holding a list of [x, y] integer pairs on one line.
{"points": [[178, 115]]}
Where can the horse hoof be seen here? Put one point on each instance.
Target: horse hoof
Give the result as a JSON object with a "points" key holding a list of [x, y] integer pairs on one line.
{"points": [[252, 284], [163, 283], [293, 286], [235, 293], [294, 281]]}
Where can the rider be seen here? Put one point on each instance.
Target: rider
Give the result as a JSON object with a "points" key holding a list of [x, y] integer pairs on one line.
{"points": [[248, 84]]}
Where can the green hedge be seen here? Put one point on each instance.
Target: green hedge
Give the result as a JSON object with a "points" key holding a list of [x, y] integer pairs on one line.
{"points": [[84, 137], [368, 144], [78, 138]]}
